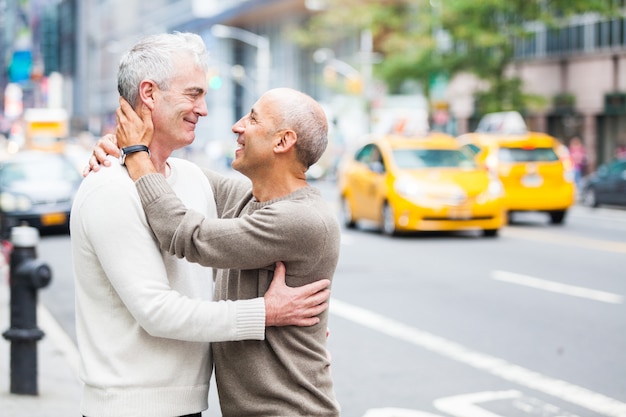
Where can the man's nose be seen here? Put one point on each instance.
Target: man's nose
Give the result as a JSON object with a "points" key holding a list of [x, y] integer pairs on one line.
{"points": [[201, 108], [238, 126]]}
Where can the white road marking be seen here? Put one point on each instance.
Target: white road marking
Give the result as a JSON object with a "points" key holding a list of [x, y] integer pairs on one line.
{"points": [[59, 337], [605, 297], [397, 412], [561, 389], [548, 237], [465, 405]]}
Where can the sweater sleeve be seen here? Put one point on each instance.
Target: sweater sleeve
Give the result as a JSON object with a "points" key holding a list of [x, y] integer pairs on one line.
{"points": [[250, 241], [113, 222]]}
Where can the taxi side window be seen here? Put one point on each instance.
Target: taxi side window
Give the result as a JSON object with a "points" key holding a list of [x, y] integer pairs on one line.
{"points": [[472, 148], [370, 155]]}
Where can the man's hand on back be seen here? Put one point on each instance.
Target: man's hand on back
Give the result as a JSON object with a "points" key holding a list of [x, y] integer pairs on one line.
{"points": [[300, 306], [106, 145]]}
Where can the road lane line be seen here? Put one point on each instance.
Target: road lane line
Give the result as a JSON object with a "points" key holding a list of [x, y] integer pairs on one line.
{"points": [[59, 337], [561, 389], [528, 281], [397, 412], [546, 237], [465, 405]]}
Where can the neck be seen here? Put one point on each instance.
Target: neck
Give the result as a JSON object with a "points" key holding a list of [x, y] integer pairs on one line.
{"points": [[158, 156], [276, 187]]}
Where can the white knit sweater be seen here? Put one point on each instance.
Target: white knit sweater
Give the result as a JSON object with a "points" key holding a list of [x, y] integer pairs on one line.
{"points": [[133, 302]]}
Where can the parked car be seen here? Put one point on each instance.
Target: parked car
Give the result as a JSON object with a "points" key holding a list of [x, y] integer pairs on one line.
{"points": [[420, 183], [37, 188], [534, 167], [606, 186]]}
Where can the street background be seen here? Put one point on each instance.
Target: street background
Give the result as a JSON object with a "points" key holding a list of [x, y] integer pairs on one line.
{"points": [[531, 323]]}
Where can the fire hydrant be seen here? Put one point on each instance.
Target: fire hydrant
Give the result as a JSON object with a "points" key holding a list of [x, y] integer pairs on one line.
{"points": [[27, 275]]}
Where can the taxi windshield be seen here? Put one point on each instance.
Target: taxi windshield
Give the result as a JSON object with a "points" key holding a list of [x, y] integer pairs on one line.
{"points": [[432, 158]]}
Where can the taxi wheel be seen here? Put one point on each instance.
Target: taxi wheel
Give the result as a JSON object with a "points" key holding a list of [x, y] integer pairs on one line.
{"points": [[388, 221], [557, 216], [510, 217], [346, 214], [490, 232]]}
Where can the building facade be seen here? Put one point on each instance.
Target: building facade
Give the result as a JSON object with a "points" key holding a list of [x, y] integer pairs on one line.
{"points": [[580, 69], [252, 53]]}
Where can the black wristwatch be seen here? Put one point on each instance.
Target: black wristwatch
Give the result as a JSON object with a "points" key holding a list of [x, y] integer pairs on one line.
{"points": [[132, 149]]}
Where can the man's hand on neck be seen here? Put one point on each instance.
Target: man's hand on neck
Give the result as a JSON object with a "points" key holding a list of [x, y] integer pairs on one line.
{"points": [[136, 129]]}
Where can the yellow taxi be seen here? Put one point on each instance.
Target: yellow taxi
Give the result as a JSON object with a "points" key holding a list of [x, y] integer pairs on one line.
{"points": [[534, 167], [420, 183]]}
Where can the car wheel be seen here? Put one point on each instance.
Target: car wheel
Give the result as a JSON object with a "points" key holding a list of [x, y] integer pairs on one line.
{"points": [[346, 214], [589, 198], [388, 221], [510, 219], [491, 232], [557, 217]]}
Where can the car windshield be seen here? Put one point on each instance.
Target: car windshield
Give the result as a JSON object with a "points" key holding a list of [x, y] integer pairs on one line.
{"points": [[432, 158], [45, 169], [527, 155]]}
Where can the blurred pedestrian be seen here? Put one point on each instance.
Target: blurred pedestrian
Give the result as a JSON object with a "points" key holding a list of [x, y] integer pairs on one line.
{"points": [[578, 156]]}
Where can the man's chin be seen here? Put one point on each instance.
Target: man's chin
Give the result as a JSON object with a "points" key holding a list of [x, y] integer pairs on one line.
{"points": [[237, 165], [189, 139]]}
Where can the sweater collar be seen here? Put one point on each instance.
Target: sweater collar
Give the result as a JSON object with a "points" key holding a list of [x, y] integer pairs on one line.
{"points": [[300, 193]]}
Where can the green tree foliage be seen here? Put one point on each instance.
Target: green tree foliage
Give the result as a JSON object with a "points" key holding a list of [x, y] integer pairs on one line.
{"points": [[420, 38]]}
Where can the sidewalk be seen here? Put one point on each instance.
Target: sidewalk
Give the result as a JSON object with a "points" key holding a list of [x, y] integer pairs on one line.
{"points": [[58, 384]]}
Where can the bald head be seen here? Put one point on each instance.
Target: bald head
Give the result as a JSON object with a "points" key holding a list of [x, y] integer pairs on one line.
{"points": [[299, 112]]}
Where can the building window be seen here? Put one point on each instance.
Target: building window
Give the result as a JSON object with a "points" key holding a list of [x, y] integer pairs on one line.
{"points": [[609, 33]]}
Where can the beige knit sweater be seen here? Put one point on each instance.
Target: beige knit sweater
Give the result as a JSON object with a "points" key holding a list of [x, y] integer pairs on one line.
{"points": [[288, 373]]}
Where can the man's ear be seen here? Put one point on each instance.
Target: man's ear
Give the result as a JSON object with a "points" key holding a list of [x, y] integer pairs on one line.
{"points": [[147, 89], [287, 140]]}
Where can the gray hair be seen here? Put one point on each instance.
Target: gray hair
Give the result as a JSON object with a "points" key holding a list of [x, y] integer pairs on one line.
{"points": [[307, 119], [155, 58]]}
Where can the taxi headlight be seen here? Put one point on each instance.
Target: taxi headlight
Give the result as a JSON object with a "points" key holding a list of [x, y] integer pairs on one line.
{"points": [[10, 202], [495, 188], [408, 188]]}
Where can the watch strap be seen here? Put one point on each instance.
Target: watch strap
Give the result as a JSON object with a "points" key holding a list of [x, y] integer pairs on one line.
{"points": [[132, 149]]}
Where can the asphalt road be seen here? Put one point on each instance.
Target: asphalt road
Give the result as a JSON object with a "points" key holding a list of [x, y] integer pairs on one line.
{"points": [[532, 323]]}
